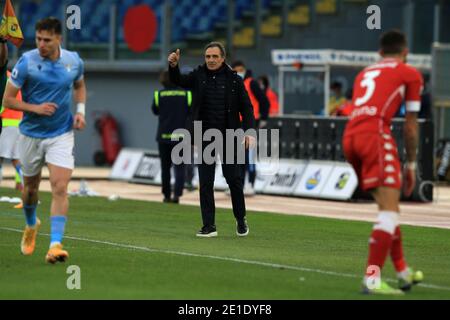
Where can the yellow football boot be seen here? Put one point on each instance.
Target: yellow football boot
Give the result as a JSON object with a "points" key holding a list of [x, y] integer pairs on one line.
{"points": [[29, 238], [56, 254]]}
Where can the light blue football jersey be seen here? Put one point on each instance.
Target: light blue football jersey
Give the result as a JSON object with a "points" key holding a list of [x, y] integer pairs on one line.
{"points": [[42, 80]]}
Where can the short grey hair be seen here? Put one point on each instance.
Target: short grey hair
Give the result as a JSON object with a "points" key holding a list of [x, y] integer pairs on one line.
{"points": [[216, 44]]}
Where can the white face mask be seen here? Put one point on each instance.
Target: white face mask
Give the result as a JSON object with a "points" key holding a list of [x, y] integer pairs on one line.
{"points": [[241, 74]]}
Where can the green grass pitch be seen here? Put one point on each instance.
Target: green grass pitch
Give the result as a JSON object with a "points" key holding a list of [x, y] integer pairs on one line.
{"points": [[145, 250]]}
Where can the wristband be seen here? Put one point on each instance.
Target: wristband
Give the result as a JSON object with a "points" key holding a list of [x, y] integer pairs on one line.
{"points": [[81, 108], [411, 165]]}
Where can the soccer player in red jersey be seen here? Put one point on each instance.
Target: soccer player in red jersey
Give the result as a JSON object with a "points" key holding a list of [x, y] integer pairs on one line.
{"points": [[378, 92]]}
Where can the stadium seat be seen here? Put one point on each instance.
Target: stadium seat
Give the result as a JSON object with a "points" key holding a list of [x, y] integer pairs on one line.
{"points": [[299, 16], [272, 26], [245, 38], [326, 6]]}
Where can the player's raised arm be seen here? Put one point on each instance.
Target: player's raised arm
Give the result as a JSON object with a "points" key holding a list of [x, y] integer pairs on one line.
{"points": [[175, 76], [173, 58]]}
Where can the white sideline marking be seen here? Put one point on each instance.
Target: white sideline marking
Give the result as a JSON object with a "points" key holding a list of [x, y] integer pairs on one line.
{"points": [[252, 262]]}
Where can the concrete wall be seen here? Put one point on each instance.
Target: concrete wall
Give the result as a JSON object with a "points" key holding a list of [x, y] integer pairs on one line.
{"points": [[128, 98]]}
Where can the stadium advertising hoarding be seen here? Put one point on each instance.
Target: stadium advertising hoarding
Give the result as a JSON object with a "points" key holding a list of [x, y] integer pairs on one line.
{"points": [[341, 183], [137, 165], [149, 169], [126, 164], [340, 58], [287, 177], [313, 178]]}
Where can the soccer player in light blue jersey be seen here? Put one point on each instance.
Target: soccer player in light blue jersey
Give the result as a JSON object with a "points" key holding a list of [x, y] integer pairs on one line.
{"points": [[50, 78]]}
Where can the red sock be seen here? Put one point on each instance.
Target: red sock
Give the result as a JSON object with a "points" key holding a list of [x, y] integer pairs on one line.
{"points": [[379, 245], [397, 251]]}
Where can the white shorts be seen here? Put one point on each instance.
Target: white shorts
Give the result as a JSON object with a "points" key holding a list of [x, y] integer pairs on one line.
{"points": [[35, 153], [9, 148]]}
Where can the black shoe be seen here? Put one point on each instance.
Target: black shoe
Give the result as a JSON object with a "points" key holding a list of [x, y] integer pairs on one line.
{"points": [[207, 232], [242, 229], [167, 200], [175, 200]]}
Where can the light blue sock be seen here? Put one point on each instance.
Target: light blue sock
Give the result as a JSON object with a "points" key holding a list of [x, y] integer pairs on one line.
{"points": [[30, 214], [57, 229]]}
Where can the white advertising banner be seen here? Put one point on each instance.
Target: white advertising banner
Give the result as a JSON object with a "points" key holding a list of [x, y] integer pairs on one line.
{"points": [[148, 170], [263, 175], [308, 57], [126, 164], [341, 184], [287, 177], [341, 58], [314, 178]]}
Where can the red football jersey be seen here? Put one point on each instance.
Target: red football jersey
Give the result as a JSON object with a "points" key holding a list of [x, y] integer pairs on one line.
{"points": [[378, 93]]}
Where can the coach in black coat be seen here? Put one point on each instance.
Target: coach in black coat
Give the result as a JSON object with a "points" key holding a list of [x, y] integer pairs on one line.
{"points": [[219, 99]]}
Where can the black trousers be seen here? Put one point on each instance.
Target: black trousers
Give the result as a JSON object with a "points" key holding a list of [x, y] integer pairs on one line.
{"points": [[233, 176], [165, 151]]}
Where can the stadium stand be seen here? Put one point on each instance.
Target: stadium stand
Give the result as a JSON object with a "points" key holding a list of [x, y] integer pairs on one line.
{"points": [[189, 18], [196, 22]]}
